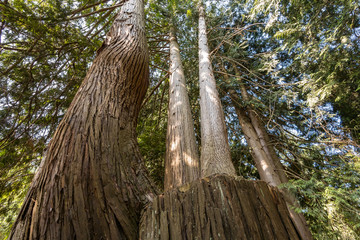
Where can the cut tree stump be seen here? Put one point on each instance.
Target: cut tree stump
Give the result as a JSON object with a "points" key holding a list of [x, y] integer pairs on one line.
{"points": [[219, 207]]}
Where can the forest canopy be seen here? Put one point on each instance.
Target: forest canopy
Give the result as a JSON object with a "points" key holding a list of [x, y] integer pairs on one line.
{"points": [[293, 64]]}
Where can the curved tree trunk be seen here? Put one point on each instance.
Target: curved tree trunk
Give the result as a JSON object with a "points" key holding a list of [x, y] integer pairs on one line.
{"points": [[215, 151], [182, 159], [92, 183]]}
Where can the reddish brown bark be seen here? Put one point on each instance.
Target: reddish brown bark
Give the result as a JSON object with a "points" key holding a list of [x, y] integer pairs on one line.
{"points": [[92, 183], [219, 207], [266, 160]]}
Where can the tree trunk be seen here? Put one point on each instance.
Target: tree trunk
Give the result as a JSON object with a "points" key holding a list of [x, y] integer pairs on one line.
{"points": [[182, 159], [215, 151], [219, 207], [267, 162], [262, 133], [92, 183]]}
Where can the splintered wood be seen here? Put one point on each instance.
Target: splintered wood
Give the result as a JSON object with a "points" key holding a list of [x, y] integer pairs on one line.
{"points": [[219, 207]]}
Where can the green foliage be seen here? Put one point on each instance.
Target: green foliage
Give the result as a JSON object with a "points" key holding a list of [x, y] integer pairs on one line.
{"points": [[294, 85], [297, 59], [332, 209], [46, 48], [322, 39], [152, 141], [13, 190]]}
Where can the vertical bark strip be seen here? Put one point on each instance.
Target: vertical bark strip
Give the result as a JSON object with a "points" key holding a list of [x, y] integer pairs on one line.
{"points": [[263, 136], [92, 183], [219, 207], [215, 150], [267, 170], [266, 160], [264, 164], [182, 160]]}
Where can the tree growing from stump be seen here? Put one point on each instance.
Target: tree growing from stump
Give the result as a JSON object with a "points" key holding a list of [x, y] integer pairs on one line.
{"points": [[92, 183], [219, 206], [181, 161]]}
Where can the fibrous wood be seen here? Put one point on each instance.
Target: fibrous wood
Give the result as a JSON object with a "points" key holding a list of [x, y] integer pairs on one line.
{"points": [[92, 183], [267, 162], [219, 207], [182, 159], [215, 151]]}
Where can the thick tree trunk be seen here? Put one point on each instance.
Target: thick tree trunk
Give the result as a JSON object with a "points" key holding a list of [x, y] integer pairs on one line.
{"points": [[182, 159], [219, 207], [92, 183], [215, 151], [267, 162]]}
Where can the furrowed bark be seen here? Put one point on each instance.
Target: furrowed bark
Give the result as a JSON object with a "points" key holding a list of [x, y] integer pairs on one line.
{"points": [[219, 207], [182, 159], [215, 150], [92, 183], [268, 173], [267, 162]]}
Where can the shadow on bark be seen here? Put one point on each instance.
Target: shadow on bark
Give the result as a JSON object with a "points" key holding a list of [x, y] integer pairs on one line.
{"points": [[219, 207]]}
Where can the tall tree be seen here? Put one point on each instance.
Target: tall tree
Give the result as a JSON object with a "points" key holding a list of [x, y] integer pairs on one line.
{"points": [[92, 182], [266, 160], [215, 150], [300, 75], [45, 50], [219, 205], [181, 160]]}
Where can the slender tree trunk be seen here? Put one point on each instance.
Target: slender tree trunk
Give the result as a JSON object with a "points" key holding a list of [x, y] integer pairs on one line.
{"points": [[215, 150], [265, 157], [182, 159], [218, 206], [262, 133], [264, 164], [92, 183]]}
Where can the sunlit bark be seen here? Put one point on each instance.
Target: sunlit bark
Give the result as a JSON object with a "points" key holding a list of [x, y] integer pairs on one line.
{"points": [[219, 207], [215, 151], [266, 160], [182, 159]]}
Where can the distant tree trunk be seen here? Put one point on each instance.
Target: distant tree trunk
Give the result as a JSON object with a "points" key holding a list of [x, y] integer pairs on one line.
{"points": [[218, 206], [267, 162], [182, 159], [263, 136], [92, 183], [215, 151]]}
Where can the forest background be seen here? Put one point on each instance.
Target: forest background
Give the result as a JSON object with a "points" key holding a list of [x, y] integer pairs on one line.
{"points": [[298, 60]]}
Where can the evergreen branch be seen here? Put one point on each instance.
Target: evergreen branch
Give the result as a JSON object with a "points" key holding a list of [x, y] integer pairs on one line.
{"points": [[154, 89], [87, 7], [95, 12]]}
